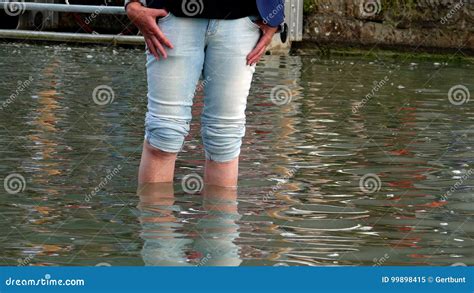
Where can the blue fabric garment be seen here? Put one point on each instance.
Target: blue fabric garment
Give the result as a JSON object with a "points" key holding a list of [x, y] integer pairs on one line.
{"points": [[271, 11]]}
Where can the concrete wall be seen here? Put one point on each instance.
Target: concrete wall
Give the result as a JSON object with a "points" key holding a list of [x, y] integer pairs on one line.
{"points": [[415, 23]]}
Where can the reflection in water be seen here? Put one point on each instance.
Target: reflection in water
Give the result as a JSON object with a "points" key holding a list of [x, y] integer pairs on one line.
{"points": [[44, 120], [299, 198], [169, 242]]}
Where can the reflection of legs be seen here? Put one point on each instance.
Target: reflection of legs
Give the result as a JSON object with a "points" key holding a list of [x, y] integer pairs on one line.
{"points": [[163, 243], [223, 118], [218, 229], [171, 86]]}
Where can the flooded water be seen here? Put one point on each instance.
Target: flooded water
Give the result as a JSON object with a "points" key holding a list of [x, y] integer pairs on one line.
{"points": [[355, 161]]}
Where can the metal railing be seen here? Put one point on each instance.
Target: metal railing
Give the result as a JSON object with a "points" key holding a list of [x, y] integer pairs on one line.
{"points": [[72, 37], [293, 11], [31, 6], [18, 8]]}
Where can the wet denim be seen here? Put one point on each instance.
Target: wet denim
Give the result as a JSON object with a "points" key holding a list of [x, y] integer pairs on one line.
{"points": [[215, 51]]}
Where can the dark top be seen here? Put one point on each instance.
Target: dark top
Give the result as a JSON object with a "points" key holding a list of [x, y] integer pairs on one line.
{"points": [[213, 9]]}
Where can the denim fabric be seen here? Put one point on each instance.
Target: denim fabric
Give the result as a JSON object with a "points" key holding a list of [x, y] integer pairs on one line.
{"points": [[216, 51]]}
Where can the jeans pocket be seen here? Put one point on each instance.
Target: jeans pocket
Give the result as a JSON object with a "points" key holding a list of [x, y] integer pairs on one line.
{"points": [[165, 18], [252, 24]]}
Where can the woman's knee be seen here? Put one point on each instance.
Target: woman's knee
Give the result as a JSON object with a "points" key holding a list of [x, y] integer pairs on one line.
{"points": [[157, 153], [166, 134], [222, 141]]}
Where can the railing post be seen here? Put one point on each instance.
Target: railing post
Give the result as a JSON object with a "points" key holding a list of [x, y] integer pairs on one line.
{"points": [[39, 20]]}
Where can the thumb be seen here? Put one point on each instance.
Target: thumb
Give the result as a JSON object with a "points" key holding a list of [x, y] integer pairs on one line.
{"points": [[158, 12]]}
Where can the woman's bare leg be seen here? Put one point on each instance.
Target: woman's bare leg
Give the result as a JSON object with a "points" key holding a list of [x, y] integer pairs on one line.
{"points": [[222, 174], [156, 166]]}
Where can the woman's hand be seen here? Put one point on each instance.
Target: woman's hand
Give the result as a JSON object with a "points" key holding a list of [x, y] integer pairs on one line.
{"points": [[145, 19], [267, 35]]}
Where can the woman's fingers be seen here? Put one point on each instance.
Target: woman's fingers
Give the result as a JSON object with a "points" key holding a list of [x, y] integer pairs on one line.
{"points": [[145, 19], [251, 55], [258, 51], [158, 12], [268, 33], [158, 46], [257, 56], [160, 36], [151, 48], [154, 28]]}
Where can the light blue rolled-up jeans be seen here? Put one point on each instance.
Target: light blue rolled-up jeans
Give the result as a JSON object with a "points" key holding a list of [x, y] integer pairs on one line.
{"points": [[215, 50]]}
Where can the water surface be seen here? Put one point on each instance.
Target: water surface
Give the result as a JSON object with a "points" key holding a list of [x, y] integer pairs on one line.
{"points": [[300, 200]]}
